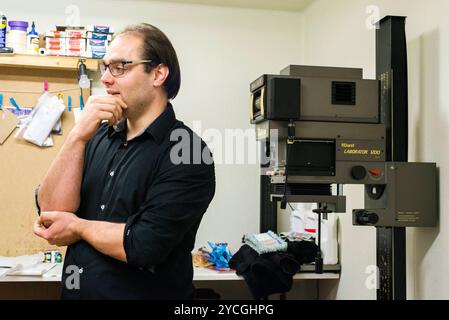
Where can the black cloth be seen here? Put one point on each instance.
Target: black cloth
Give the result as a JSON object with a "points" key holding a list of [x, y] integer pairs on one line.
{"points": [[265, 274], [160, 201], [304, 251]]}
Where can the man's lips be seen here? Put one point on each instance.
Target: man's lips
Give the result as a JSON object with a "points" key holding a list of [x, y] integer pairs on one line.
{"points": [[112, 92]]}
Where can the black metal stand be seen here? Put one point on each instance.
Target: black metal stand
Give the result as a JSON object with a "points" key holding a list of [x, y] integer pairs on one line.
{"points": [[391, 70], [268, 209], [319, 258], [391, 261]]}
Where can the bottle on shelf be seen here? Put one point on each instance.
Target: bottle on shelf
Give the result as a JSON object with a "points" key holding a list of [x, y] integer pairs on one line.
{"points": [[33, 41], [3, 24]]}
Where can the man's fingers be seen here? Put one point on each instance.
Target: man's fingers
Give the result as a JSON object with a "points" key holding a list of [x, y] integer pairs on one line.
{"points": [[121, 102], [47, 217], [109, 116], [39, 229], [109, 99], [117, 113], [109, 103], [105, 112], [111, 108], [118, 100]]}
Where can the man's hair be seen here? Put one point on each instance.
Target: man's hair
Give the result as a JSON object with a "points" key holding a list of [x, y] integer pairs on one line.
{"points": [[157, 47]]}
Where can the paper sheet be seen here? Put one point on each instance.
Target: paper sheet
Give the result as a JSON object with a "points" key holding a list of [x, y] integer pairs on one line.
{"points": [[8, 122], [23, 265], [34, 270], [21, 114], [25, 261], [77, 113], [48, 112]]}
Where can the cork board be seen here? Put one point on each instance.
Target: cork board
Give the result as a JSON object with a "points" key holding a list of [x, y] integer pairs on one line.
{"points": [[24, 165]]}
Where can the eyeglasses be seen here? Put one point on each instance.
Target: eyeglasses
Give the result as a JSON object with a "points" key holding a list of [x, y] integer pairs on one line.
{"points": [[118, 68]]}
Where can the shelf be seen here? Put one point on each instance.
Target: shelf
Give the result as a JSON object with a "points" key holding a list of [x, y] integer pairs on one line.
{"points": [[335, 203], [46, 62], [199, 274], [203, 274]]}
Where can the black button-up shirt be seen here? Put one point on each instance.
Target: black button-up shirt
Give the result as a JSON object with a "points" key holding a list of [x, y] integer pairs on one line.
{"points": [[159, 184]]}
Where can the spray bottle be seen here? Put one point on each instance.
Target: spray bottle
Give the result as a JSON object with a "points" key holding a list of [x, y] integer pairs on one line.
{"points": [[3, 24]]}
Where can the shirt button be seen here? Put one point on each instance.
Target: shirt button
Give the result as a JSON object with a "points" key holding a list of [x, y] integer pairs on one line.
{"points": [[102, 207], [111, 173], [81, 270]]}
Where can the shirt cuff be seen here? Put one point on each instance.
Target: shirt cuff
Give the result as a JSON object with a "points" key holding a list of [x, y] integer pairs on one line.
{"points": [[132, 253]]}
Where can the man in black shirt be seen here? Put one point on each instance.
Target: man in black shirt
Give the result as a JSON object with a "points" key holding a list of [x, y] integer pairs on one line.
{"points": [[131, 183]]}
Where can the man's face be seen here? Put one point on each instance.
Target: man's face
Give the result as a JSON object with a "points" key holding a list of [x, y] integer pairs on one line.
{"points": [[134, 86]]}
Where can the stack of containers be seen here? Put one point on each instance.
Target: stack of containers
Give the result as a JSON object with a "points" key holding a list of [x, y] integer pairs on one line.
{"points": [[55, 44], [75, 42], [66, 41], [98, 39], [79, 41]]}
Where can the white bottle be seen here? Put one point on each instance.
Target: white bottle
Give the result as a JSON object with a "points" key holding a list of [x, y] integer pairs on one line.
{"points": [[329, 240]]}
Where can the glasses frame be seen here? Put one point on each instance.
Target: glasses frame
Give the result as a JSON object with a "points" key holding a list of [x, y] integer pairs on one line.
{"points": [[104, 66]]}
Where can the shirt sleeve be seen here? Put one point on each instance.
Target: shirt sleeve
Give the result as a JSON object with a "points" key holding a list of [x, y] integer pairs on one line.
{"points": [[176, 201]]}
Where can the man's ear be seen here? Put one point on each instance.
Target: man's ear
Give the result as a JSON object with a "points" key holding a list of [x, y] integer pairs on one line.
{"points": [[160, 75]]}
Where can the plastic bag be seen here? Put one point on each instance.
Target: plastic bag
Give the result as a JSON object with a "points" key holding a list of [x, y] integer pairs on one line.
{"points": [[41, 121]]}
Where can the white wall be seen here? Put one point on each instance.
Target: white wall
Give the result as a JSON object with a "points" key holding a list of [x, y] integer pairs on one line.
{"points": [[336, 35], [221, 50]]}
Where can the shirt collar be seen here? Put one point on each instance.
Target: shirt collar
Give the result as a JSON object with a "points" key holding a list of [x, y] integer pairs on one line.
{"points": [[158, 129]]}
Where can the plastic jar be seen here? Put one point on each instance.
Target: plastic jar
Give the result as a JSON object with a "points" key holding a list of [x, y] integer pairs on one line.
{"points": [[17, 36]]}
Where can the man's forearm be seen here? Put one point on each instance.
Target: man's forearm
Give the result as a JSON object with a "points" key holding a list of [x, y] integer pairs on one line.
{"points": [[60, 190], [106, 237]]}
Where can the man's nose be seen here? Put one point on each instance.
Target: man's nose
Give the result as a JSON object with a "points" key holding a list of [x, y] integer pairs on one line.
{"points": [[107, 78]]}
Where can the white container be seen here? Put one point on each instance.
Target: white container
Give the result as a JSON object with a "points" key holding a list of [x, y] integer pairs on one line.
{"points": [[17, 40], [329, 239]]}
